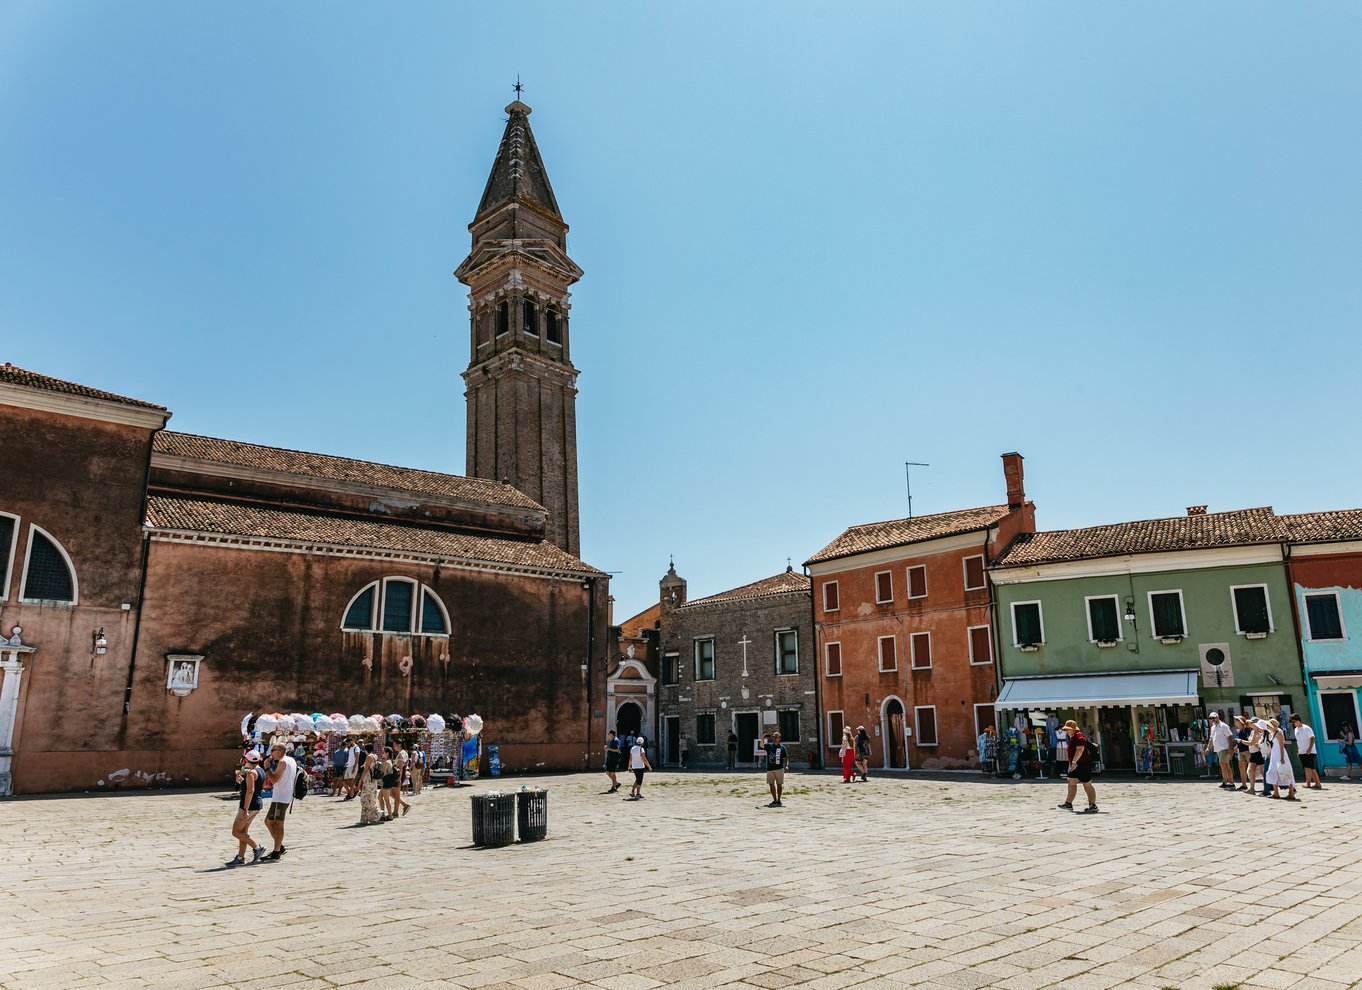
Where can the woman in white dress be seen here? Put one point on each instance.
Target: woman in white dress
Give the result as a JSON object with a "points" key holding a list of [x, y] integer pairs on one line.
{"points": [[1279, 775]]}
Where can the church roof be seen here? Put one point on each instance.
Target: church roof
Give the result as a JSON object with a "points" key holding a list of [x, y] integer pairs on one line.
{"points": [[307, 465], [13, 375], [518, 171], [197, 515], [901, 532], [633, 627], [787, 582]]}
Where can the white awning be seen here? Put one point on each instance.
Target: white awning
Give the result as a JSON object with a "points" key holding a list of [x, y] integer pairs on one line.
{"points": [[1338, 680], [1168, 687]]}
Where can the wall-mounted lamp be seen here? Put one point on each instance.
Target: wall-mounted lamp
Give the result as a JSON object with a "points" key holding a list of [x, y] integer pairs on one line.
{"points": [[1130, 610], [98, 644]]}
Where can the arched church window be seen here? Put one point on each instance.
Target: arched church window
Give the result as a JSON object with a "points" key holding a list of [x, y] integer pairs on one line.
{"points": [[503, 318], [397, 605], [553, 330], [48, 574], [9, 532], [528, 319]]}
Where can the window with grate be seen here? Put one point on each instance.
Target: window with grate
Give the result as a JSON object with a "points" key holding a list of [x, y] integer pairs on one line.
{"points": [[397, 605], [360, 615], [433, 620], [7, 530], [48, 578], [787, 721]]}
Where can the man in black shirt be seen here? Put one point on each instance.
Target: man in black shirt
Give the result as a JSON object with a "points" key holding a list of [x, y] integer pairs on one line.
{"points": [[732, 749], [777, 757], [1080, 769]]}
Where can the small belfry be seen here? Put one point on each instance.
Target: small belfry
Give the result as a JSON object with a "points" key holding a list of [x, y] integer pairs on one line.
{"points": [[521, 386]]}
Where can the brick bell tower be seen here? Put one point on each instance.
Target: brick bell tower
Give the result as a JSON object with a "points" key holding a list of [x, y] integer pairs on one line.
{"points": [[521, 385]]}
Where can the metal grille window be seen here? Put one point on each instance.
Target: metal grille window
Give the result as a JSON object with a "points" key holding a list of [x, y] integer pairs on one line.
{"points": [[397, 606], [393, 605], [787, 652], [48, 578], [432, 617], [360, 615]]}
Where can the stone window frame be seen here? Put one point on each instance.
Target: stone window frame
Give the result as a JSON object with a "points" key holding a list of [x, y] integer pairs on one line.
{"points": [[880, 597], [695, 658], [379, 586], [9, 552], [1267, 607], [983, 573], [833, 740], [912, 650], [1087, 609], [969, 639], [1338, 609], [1040, 621], [787, 630], [909, 571], [827, 658], [917, 726], [836, 596], [1182, 613], [24, 596], [798, 737], [893, 649]]}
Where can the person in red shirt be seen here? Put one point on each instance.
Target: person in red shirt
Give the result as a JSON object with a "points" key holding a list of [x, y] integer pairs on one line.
{"points": [[1080, 769]]}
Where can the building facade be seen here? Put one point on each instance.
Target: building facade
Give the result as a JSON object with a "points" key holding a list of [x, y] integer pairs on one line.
{"points": [[1137, 630], [904, 630], [741, 661]]}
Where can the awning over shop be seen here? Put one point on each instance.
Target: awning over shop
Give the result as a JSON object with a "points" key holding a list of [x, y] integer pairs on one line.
{"points": [[1168, 687], [1338, 679]]}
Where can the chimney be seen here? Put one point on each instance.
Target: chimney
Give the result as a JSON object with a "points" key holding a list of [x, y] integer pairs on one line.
{"points": [[1012, 472], [1196, 510]]}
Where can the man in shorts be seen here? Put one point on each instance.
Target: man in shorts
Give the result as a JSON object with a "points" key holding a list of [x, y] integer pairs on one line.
{"points": [[638, 762], [1080, 769], [1225, 746], [281, 797], [777, 758], [613, 757], [1305, 749]]}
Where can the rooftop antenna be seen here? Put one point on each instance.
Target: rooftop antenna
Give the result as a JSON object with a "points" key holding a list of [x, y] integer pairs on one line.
{"points": [[908, 479]]}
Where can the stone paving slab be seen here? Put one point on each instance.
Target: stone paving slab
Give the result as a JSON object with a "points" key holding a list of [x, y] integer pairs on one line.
{"points": [[885, 885]]}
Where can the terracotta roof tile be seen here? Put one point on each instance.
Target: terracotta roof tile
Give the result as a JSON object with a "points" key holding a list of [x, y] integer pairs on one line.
{"points": [[200, 515], [303, 464], [900, 532], [12, 375], [1245, 527], [1324, 527], [785, 583], [633, 627]]}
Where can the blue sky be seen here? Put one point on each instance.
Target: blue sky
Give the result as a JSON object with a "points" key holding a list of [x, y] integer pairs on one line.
{"points": [[819, 240]]}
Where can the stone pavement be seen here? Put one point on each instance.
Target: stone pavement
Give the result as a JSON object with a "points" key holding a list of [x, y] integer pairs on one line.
{"points": [[887, 884]]}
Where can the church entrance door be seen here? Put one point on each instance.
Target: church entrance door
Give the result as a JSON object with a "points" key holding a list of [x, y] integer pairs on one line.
{"points": [[747, 737], [629, 719]]}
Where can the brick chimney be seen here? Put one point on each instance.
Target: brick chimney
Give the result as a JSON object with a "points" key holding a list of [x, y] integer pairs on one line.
{"points": [[1196, 510], [1016, 488]]}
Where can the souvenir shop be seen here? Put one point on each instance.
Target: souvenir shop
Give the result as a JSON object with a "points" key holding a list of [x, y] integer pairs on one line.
{"points": [[453, 744], [1148, 723]]}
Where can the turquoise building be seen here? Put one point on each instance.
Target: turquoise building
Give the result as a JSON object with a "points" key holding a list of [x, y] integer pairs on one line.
{"points": [[1138, 630]]}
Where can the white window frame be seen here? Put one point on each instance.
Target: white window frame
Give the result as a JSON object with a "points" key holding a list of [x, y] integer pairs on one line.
{"points": [[1040, 616], [70, 567], [1267, 603], [983, 572], [383, 605], [1323, 726], [789, 631], [908, 576], [1305, 609], [837, 591], [969, 644], [1087, 613], [832, 743], [1182, 607], [695, 658], [439, 604], [373, 607], [13, 548], [912, 650], [879, 648], [827, 672], [890, 599], [379, 585], [917, 726]]}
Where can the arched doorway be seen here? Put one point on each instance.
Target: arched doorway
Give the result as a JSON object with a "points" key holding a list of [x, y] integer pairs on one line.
{"points": [[628, 718], [895, 744]]}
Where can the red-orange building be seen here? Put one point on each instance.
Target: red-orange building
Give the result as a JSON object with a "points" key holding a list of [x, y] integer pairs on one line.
{"points": [[904, 627]]}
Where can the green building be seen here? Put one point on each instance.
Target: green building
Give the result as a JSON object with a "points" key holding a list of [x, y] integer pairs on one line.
{"points": [[1137, 630]]}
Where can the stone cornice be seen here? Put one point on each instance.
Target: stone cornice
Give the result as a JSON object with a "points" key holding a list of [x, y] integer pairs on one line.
{"points": [[82, 407]]}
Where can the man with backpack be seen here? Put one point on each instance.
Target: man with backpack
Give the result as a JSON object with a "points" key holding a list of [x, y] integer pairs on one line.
{"points": [[283, 780], [1082, 756]]}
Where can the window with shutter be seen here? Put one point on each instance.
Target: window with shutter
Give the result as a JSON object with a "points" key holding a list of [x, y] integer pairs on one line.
{"points": [[1323, 616], [917, 582], [888, 654], [831, 600], [1166, 610], [1027, 628], [1103, 621], [920, 645], [926, 725], [974, 573], [884, 587], [1251, 613], [980, 644], [834, 657], [835, 724]]}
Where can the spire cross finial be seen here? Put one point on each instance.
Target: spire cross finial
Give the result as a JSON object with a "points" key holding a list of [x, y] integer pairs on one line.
{"points": [[517, 87]]}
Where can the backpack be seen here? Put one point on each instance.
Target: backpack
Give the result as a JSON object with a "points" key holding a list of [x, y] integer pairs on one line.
{"points": [[299, 785]]}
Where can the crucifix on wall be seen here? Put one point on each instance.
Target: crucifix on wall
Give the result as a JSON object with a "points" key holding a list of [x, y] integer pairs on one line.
{"points": [[744, 643]]}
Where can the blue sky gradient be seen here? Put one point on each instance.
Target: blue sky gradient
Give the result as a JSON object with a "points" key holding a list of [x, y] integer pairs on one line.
{"points": [[819, 240]]}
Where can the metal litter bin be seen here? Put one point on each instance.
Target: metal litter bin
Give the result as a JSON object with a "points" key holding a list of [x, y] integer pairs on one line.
{"points": [[532, 814], [493, 819]]}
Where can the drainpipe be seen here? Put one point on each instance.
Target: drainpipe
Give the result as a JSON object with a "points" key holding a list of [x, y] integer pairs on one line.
{"points": [[590, 660], [141, 588], [822, 744], [1297, 630]]}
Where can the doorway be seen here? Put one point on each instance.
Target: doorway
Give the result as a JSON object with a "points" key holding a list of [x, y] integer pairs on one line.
{"points": [[629, 719], [747, 728], [671, 739], [895, 745], [1117, 746]]}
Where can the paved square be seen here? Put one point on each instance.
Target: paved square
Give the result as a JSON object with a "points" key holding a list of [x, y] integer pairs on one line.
{"points": [[891, 883]]}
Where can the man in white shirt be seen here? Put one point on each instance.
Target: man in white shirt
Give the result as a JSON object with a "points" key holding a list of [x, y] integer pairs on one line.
{"points": [[280, 779], [1305, 749], [1223, 742], [638, 762]]}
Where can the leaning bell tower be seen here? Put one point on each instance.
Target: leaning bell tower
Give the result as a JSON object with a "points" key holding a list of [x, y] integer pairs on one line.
{"points": [[521, 386]]}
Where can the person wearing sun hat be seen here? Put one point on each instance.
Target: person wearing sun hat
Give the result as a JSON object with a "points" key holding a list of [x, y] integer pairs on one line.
{"points": [[248, 779], [1080, 769], [1279, 775], [1242, 732], [1222, 742]]}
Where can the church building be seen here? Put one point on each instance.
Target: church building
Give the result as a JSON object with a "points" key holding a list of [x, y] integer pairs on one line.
{"points": [[157, 586]]}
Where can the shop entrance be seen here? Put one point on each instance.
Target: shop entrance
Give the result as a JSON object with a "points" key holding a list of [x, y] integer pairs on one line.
{"points": [[1118, 752], [895, 753], [746, 723]]}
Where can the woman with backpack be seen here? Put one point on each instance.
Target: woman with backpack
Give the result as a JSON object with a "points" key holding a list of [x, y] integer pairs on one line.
{"points": [[368, 788], [249, 801], [391, 795]]}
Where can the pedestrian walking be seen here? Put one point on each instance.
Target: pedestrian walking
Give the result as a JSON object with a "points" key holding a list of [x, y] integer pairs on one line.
{"points": [[281, 779], [777, 758], [685, 751], [1348, 749], [733, 749], [418, 768], [638, 762], [392, 787], [1082, 755], [847, 751], [1305, 749], [613, 757], [250, 780], [1280, 773], [1265, 751], [863, 752], [1223, 743], [369, 777], [353, 763], [1257, 762], [340, 759], [1242, 733]]}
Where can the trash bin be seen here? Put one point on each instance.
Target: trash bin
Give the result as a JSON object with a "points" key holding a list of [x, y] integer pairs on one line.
{"points": [[493, 819], [532, 814]]}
